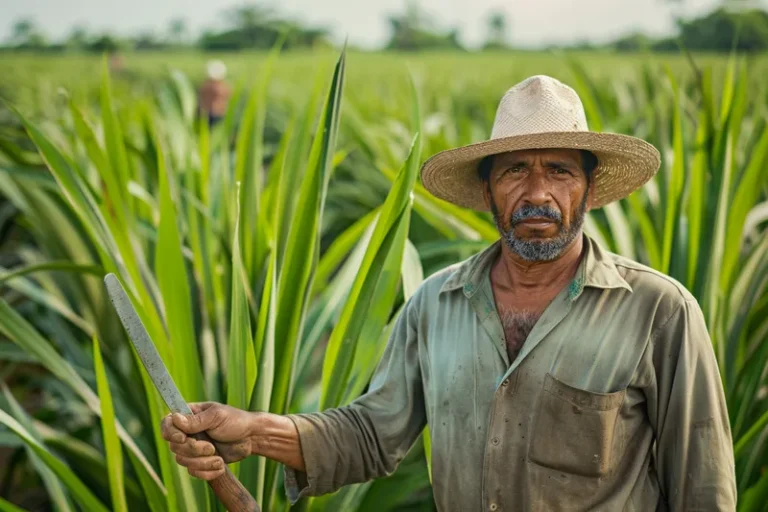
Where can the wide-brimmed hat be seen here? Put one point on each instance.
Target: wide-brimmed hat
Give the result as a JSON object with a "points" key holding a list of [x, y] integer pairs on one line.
{"points": [[538, 113]]}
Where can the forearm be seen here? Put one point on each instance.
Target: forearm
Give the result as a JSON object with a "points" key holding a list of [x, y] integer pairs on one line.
{"points": [[277, 438]]}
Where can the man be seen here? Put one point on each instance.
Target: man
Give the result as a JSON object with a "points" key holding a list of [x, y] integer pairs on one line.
{"points": [[214, 93], [553, 374]]}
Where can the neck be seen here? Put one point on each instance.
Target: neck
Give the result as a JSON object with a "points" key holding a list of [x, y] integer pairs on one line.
{"points": [[512, 272]]}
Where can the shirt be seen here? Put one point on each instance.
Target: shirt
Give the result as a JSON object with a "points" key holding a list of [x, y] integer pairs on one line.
{"points": [[614, 403]]}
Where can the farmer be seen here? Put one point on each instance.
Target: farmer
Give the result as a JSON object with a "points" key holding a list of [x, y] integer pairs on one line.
{"points": [[553, 374], [214, 93]]}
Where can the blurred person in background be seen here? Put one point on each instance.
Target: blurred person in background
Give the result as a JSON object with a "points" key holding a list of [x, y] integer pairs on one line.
{"points": [[214, 93]]}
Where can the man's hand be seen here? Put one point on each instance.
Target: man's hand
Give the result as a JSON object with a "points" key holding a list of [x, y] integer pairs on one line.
{"points": [[231, 428]]}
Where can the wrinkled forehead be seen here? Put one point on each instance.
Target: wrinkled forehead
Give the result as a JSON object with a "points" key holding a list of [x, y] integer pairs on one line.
{"points": [[543, 155]]}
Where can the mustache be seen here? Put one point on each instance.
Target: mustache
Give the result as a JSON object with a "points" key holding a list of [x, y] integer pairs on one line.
{"points": [[529, 212]]}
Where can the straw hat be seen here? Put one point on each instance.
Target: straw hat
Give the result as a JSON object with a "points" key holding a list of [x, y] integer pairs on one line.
{"points": [[216, 69], [541, 112]]}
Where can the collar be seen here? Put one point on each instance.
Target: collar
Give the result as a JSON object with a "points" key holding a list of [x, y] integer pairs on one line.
{"points": [[596, 270]]}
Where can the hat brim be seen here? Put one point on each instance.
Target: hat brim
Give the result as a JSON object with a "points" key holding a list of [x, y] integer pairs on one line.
{"points": [[625, 164]]}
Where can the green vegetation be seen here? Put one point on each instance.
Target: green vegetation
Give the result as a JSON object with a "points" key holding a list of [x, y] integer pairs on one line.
{"points": [[253, 250]]}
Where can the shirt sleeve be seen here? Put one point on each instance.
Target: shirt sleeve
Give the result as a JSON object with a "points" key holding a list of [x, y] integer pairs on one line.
{"points": [[368, 438], [694, 447]]}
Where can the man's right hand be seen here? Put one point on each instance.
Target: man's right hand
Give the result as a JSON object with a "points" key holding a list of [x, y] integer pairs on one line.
{"points": [[231, 428], [237, 433]]}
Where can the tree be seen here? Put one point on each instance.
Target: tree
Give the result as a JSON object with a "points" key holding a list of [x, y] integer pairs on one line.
{"points": [[22, 30], [78, 38], [26, 35], [497, 30], [177, 29], [249, 16], [413, 31], [720, 29]]}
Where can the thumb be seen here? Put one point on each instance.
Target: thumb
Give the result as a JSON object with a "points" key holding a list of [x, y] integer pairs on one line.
{"points": [[194, 423]]}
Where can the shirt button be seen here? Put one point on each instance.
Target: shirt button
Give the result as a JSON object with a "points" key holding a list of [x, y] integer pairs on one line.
{"points": [[494, 506], [495, 441], [506, 381]]}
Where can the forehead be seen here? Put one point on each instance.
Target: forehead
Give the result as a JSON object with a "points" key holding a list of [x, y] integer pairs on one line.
{"points": [[526, 155]]}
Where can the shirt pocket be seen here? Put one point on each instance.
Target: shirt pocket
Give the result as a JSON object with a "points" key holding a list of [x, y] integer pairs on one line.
{"points": [[573, 429]]}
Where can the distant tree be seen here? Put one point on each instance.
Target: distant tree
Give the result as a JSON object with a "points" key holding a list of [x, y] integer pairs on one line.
{"points": [[412, 31], [149, 41], [249, 16], [22, 30], [633, 43], [497, 30], [26, 35], [105, 43], [255, 26], [78, 39], [721, 28], [177, 30]]}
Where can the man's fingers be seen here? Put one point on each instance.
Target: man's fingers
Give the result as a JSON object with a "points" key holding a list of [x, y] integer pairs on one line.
{"points": [[193, 448], [206, 419], [206, 475], [170, 432], [201, 463], [198, 407]]}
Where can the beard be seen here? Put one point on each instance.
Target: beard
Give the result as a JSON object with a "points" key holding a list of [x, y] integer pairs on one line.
{"points": [[547, 249]]}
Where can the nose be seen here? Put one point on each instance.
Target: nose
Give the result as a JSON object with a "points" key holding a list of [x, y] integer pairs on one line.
{"points": [[537, 188]]}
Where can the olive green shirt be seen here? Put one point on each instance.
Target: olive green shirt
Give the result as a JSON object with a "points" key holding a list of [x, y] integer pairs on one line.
{"points": [[614, 402]]}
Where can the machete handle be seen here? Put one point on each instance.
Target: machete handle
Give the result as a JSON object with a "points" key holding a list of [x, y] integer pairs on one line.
{"points": [[230, 491]]}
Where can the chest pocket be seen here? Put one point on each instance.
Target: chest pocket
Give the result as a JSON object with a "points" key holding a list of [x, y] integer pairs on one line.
{"points": [[573, 430]]}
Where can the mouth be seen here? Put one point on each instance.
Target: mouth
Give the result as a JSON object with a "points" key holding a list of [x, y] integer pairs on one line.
{"points": [[537, 222]]}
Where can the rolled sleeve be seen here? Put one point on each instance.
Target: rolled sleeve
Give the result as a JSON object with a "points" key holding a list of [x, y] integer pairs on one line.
{"points": [[694, 449], [368, 438]]}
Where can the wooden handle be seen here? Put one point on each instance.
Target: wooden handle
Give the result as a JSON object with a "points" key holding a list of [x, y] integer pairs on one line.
{"points": [[230, 491]]}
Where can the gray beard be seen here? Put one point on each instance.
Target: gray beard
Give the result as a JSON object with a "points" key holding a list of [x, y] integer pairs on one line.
{"points": [[540, 250]]}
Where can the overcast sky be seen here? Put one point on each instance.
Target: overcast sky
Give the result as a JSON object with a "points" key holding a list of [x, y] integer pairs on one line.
{"points": [[532, 22]]}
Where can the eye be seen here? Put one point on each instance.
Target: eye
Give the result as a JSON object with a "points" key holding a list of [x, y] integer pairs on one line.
{"points": [[562, 170]]}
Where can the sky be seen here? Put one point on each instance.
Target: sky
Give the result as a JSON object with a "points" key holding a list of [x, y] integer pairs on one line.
{"points": [[531, 22]]}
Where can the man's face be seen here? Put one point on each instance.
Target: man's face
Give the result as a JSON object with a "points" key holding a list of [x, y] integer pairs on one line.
{"points": [[539, 199]]}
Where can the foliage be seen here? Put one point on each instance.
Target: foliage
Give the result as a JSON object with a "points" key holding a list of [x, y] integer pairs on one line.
{"points": [[253, 251]]}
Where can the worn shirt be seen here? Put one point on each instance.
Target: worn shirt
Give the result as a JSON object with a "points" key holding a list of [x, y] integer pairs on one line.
{"points": [[614, 402]]}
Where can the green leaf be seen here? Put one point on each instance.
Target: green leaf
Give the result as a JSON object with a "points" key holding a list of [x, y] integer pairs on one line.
{"points": [[109, 431], [115, 147], [59, 266], [676, 176], [748, 192], [241, 365], [56, 491], [302, 247], [81, 493], [7, 506], [170, 269], [16, 329], [697, 199], [389, 235]]}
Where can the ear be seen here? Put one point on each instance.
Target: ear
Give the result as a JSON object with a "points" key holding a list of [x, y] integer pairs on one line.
{"points": [[486, 193], [590, 194]]}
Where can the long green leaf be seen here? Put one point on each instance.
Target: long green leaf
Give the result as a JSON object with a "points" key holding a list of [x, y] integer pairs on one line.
{"points": [[170, 268], [747, 194], [391, 226], [56, 491], [241, 362], [83, 495], [7, 506], [302, 248], [109, 432], [15, 328]]}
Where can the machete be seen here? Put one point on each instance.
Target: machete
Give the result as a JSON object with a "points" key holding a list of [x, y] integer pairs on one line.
{"points": [[230, 491]]}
